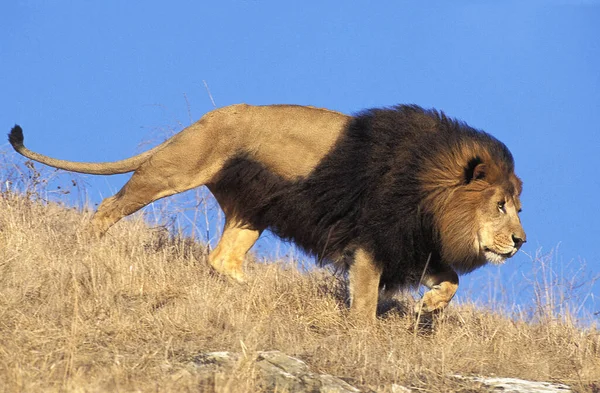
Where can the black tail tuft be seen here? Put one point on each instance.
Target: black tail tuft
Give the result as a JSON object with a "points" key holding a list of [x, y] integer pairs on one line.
{"points": [[16, 136]]}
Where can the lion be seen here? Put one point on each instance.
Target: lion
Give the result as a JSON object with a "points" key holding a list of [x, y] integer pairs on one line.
{"points": [[397, 197]]}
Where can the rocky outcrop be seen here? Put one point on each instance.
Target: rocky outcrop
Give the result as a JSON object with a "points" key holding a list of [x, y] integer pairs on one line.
{"points": [[279, 372], [515, 385]]}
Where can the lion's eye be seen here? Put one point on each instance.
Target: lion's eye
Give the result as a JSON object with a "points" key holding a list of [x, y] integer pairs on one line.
{"points": [[502, 206]]}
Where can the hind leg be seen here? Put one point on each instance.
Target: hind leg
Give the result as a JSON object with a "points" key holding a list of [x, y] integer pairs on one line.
{"points": [[127, 201], [228, 257], [148, 184], [190, 159]]}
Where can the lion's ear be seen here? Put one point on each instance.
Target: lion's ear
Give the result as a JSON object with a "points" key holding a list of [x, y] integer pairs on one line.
{"points": [[476, 170], [479, 172]]}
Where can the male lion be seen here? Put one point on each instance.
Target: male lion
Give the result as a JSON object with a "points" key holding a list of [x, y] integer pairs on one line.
{"points": [[398, 196]]}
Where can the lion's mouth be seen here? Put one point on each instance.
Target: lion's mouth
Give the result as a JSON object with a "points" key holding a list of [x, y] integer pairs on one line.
{"points": [[495, 257]]}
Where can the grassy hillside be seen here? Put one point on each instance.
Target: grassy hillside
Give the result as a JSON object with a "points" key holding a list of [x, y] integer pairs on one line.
{"points": [[129, 312]]}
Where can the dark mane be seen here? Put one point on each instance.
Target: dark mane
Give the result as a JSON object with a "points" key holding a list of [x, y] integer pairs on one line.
{"points": [[382, 187]]}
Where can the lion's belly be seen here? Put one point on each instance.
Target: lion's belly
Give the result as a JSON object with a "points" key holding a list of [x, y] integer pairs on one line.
{"points": [[253, 194]]}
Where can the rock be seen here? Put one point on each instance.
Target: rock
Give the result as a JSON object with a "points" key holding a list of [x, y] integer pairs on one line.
{"points": [[515, 385], [400, 389], [278, 372]]}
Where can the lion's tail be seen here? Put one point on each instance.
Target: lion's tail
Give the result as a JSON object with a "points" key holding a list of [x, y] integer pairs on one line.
{"points": [[94, 168]]}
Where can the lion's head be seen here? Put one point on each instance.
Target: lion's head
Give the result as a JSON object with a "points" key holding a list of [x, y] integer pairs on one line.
{"points": [[500, 234], [478, 218]]}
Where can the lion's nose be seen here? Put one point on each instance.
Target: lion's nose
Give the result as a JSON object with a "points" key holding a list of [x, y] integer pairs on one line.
{"points": [[518, 240]]}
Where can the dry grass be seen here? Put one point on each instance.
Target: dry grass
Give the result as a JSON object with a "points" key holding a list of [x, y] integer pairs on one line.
{"points": [[128, 313]]}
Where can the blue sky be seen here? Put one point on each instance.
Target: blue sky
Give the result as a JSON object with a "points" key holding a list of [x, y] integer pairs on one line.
{"points": [[91, 80]]}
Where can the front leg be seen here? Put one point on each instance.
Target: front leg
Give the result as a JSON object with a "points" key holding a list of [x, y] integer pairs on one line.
{"points": [[364, 278], [442, 287]]}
